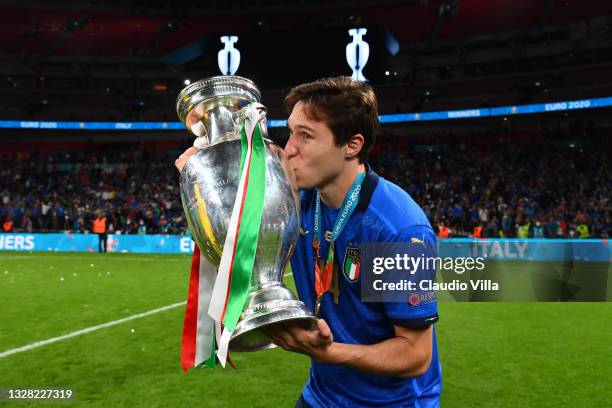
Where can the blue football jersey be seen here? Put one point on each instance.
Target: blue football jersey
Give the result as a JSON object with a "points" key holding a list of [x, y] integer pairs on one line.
{"points": [[385, 213]]}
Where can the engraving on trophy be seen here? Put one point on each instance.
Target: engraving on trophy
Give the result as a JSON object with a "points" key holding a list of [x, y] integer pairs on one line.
{"points": [[220, 185]]}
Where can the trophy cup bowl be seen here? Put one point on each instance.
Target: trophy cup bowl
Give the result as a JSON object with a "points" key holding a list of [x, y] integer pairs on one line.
{"points": [[211, 110]]}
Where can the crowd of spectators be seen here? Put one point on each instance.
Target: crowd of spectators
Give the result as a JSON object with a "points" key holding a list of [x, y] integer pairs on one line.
{"points": [[495, 185], [501, 185], [137, 191]]}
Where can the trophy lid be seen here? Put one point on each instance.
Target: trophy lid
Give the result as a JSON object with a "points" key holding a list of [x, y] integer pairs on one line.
{"points": [[228, 86]]}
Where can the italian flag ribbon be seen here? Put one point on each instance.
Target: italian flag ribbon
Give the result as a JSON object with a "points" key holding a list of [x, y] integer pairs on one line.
{"points": [[216, 297]]}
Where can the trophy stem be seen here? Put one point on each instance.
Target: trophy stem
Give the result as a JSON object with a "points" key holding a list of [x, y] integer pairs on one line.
{"points": [[268, 305]]}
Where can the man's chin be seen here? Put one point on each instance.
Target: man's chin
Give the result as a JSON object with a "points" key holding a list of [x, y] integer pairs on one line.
{"points": [[303, 185]]}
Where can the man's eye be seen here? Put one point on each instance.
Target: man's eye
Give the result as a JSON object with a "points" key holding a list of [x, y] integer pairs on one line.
{"points": [[307, 135]]}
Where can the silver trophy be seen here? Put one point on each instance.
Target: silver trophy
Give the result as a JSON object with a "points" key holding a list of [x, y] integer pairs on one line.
{"points": [[211, 110]]}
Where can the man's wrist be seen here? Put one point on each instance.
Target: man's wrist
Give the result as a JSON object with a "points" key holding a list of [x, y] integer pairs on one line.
{"points": [[328, 354]]}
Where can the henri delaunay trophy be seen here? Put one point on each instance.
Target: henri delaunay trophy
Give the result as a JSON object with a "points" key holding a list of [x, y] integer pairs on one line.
{"points": [[243, 213]]}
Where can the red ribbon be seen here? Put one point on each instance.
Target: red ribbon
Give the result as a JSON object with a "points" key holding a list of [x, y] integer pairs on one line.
{"points": [[190, 325]]}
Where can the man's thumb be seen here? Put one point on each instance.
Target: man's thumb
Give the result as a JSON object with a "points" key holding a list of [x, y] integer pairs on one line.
{"points": [[324, 330]]}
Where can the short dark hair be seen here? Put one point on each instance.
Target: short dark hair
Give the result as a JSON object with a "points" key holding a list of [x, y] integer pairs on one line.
{"points": [[347, 107]]}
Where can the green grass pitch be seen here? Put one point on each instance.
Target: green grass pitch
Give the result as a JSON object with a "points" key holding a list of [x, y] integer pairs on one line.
{"points": [[493, 354]]}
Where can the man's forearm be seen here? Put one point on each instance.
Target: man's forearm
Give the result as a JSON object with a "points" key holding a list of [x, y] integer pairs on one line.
{"points": [[407, 354], [395, 357]]}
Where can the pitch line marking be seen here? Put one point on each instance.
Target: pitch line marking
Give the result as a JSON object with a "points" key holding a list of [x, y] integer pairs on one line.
{"points": [[89, 258], [52, 340], [41, 343]]}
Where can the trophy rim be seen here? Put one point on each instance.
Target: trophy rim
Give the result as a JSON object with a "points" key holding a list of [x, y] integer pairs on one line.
{"points": [[234, 82]]}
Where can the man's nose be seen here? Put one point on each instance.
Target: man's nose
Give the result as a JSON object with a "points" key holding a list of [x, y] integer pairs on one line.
{"points": [[291, 147]]}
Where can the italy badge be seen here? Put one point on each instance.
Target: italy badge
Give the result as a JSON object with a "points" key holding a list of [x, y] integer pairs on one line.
{"points": [[352, 264]]}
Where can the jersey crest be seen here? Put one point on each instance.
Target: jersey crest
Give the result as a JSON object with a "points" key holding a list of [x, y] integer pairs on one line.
{"points": [[352, 263]]}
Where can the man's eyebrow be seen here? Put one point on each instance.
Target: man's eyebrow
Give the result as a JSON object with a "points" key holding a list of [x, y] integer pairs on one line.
{"points": [[303, 127]]}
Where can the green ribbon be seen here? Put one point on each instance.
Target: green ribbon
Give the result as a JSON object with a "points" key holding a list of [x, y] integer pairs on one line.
{"points": [[250, 221]]}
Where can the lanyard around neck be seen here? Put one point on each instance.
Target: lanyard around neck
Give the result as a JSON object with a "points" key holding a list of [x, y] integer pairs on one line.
{"points": [[323, 271]]}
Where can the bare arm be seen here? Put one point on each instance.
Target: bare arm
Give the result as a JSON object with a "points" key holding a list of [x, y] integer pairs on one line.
{"points": [[406, 355]]}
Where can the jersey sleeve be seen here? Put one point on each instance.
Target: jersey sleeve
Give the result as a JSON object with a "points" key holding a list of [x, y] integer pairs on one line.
{"points": [[420, 309]]}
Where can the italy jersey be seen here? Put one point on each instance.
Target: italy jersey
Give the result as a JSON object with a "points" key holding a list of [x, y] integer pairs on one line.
{"points": [[384, 213]]}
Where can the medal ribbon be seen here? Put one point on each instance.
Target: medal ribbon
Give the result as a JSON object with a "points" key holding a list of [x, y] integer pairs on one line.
{"points": [[323, 271]]}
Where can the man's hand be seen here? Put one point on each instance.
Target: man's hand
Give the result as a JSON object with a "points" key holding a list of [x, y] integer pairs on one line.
{"points": [[180, 162], [316, 343]]}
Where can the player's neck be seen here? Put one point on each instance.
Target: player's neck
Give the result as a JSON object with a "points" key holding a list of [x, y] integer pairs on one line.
{"points": [[334, 192]]}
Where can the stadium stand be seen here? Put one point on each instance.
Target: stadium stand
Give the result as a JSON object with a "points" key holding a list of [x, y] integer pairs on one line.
{"points": [[499, 181], [504, 181], [102, 64], [60, 190]]}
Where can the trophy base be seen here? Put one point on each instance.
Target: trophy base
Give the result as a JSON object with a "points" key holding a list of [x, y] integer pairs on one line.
{"points": [[261, 312]]}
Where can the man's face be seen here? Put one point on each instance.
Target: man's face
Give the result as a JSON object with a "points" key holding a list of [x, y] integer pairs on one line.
{"points": [[313, 154]]}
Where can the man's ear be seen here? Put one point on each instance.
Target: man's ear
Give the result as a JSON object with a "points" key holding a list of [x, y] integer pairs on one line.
{"points": [[354, 146]]}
